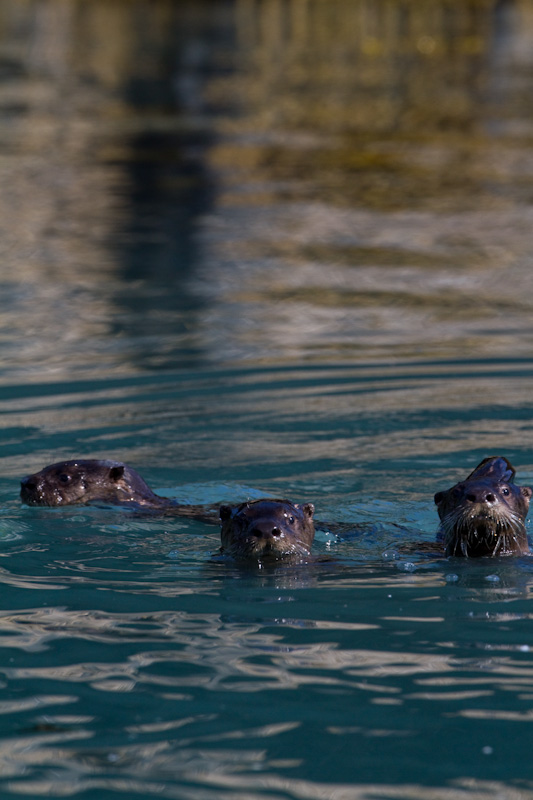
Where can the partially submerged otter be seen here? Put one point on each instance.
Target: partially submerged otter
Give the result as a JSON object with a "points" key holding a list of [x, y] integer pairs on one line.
{"points": [[253, 530], [86, 481], [484, 515], [267, 529]]}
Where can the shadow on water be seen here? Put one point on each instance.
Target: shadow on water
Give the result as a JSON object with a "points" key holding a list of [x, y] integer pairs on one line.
{"points": [[108, 136], [169, 187]]}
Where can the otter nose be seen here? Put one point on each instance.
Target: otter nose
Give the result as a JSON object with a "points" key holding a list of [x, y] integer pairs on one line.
{"points": [[481, 496], [28, 483], [266, 531]]}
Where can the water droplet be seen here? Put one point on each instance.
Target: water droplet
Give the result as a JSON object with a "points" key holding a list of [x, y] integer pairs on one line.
{"points": [[407, 566]]}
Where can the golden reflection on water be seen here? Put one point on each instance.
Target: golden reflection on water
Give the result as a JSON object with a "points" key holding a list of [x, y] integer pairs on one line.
{"points": [[263, 180]]}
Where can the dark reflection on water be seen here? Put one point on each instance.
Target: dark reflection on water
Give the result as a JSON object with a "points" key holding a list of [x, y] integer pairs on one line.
{"points": [[264, 247]]}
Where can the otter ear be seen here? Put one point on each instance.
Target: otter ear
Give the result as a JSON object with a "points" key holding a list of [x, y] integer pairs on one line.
{"points": [[526, 491], [308, 509], [225, 512], [439, 497], [116, 473]]}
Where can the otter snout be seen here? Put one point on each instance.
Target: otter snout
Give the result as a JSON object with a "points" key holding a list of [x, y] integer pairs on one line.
{"points": [[480, 495], [29, 488], [265, 530]]}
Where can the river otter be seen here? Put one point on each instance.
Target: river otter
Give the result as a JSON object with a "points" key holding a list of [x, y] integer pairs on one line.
{"points": [[484, 515], [271, 529], [86, 481]]}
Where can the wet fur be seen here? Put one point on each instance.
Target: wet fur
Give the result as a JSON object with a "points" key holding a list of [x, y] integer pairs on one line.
{"points": [[485, 514], [267, 529], [84, 481]]}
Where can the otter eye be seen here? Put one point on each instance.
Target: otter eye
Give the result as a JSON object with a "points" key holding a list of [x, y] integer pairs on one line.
{"points": [[64, 477], [290, 519], [505, 491]]}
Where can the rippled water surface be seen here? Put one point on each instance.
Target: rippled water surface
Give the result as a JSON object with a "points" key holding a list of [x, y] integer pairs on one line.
{"points": [[264, 248]]}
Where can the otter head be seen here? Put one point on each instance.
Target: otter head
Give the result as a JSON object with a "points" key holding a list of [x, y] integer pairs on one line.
{"points": [[271, 529], [83, 481], [484, 515]]}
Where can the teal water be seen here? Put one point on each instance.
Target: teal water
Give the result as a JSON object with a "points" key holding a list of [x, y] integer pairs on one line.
{"points": [[261, 248]]}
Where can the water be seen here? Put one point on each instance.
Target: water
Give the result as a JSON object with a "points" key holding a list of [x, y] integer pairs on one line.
{"points": [[264, 248]]}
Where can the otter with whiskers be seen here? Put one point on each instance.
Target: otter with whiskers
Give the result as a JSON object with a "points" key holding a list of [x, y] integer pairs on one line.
{"points": [[258, 530], [267, 529], [485, 514]]}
